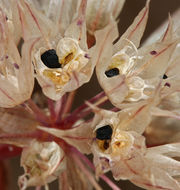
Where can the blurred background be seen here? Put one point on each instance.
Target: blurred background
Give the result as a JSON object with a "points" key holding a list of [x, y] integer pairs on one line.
{"points": [[159, 10]]}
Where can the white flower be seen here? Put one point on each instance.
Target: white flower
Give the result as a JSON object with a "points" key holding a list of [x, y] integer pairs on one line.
{"points": [[42, 162], [16, 72], [120, 149], [127, 74], [60, 58]]}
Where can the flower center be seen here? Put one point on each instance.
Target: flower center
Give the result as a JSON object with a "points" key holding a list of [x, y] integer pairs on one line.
{"points": [[122, 142], [58, 64]]}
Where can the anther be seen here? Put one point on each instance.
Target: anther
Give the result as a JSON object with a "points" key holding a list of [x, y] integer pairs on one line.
{"points": [[112, 72], [165, 76], [50, 59], [104, 133]]}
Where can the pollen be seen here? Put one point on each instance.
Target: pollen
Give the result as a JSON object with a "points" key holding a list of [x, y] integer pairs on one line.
{"points": [[67, 58], [120, 61], [58, 78], [121, 142], [67, 49], [120, 147], [103, 144]]}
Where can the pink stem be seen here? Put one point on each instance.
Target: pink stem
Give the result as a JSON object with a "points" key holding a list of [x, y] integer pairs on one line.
{"points": [[80, 112], [27, 135], [86, 160], [38, 113], [92, 100], [109, 182], [72, 118], [69, 103], [86, 172], [60, 107], [51, 108]]}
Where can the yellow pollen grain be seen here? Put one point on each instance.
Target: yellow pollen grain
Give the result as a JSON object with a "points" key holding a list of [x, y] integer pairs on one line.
{"points": [[56, 77], [118, 145], [117, 61], [101, 144], [67, 59]]}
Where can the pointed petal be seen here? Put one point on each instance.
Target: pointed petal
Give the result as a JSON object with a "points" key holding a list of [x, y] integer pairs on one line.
{"points": [[17, 126], [77, 30], [118, 5], [11, 12], [155, 64], [26, 84], [114, 87], [33, 23], [165, 113], [16, 121], [66, 13], [135, 31], [79, 137], [98, 14], [11, 70], [172, 150], [135, 118], [157, 179], [169, 31]]}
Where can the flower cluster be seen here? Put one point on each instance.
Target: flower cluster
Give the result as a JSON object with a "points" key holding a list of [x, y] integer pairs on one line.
{"points": [[60, 43]]}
